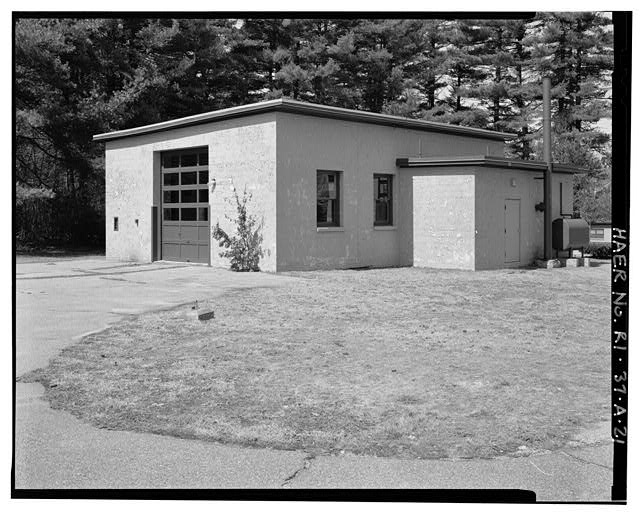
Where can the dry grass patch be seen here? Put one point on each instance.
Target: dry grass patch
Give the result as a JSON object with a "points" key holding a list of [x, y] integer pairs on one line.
{"points": [[393, 362]]}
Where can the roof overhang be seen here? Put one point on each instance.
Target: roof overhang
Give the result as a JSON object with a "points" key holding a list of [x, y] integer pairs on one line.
{"points": [[488, 161], [307, 109]]}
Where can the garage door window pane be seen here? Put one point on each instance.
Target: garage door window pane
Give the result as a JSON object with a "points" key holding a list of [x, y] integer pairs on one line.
{"points": [[190, 159], [171, 197], [171, 214], [203, 195], [171, 179], [203, 158], [203, 214], [204, 177], [188, 214], [189, 178], [189, 196], [171, 161]]}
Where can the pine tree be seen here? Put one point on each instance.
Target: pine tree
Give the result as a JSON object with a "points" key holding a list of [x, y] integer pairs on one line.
{"points": [[463, 71], [576, 51]]}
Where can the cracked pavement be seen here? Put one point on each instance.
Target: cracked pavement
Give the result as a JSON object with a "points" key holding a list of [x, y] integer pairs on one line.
{"points": [[59, 301]]}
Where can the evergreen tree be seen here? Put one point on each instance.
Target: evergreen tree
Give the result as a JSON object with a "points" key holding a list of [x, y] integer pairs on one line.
{"points": [[576, 51], [75, 78], [463, 71]]}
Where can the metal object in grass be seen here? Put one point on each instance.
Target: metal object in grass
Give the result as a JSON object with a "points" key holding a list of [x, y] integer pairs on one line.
{"points": [[202, 311]]}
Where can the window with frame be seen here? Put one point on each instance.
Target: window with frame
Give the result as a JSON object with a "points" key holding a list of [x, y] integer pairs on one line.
{"points": [[383, 200], [597, 233], [328, 198]]}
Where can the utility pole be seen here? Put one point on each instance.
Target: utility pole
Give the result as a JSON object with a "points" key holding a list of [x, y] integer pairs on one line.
{"points": [[546, 128]]}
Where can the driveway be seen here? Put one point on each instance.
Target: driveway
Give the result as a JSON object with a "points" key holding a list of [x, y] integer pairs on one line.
{"points": [[58, 301]]}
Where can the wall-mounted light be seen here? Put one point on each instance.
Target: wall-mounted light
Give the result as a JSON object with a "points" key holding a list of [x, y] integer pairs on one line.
{"points": [[513, 182], [212, 185]]}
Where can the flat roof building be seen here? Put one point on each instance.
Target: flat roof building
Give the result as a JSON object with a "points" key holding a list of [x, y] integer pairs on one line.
{"points": [[336, 188]]}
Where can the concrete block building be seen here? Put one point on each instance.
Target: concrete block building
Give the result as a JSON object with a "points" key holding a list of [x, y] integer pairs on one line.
{"points": [[336, 188]]}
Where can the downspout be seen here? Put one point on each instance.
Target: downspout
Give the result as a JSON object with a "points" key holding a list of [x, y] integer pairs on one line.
{"points": [[546, 127]]}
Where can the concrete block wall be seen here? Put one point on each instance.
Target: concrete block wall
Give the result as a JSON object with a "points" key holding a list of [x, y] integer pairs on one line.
{"points": [[241, 152], [443, 219], [129, 196], [493, 188], [357, 150], [244, 157]]}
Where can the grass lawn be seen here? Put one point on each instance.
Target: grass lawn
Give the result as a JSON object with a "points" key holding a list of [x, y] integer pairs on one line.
{"points": [[405, 362]]}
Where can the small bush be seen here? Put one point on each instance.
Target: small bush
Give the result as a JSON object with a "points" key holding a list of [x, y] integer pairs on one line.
{"points": [[244, 249], [602, 250]]}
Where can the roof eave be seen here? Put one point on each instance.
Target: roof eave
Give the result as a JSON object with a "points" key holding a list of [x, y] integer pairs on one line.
{"points": [[487, 160], [309, 109], [198, 119]]}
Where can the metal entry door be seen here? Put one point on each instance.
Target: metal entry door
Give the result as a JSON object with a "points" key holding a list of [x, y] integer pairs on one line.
{"points": [[185, 206], [512, 230]]}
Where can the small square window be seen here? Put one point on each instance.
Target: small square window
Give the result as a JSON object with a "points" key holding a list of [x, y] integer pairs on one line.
{"points": [[328, 198], [203, 214], [189, 160], [203, 195], [115, 224], [171, 179], [189, 196], [203, 177], [171, 197], [383, 200], [189, 178], [203, 159], [171, 214], [188, 214], [169, 161]]}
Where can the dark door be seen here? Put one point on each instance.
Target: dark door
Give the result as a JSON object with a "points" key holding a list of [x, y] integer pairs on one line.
{"points": [[185, 206]]}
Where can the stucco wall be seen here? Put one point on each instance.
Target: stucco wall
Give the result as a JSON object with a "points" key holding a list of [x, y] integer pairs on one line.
{"points": [[443, 218], [241, 152], [308, 144]]}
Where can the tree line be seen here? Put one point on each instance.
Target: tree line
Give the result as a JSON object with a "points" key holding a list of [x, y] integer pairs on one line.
{"points": [[78, 77]]}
